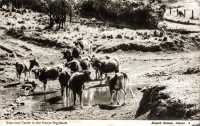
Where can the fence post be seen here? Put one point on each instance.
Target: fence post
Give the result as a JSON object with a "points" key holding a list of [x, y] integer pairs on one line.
{"points": [[177, 11], [192, 15], [170, 10], [184, 13]]}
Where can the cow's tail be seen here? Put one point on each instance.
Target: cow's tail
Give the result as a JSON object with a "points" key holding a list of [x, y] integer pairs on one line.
{"points": [[126, 80]]}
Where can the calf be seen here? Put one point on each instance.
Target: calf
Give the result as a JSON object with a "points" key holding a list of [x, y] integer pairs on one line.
{"points": [[47, 73], [70, 54], [84, 45], [106, 66], [25, 67], [76, 84], [118, 83]]}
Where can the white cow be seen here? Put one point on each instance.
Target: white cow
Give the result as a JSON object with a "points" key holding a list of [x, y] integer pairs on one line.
{"points": [[85, 45]]}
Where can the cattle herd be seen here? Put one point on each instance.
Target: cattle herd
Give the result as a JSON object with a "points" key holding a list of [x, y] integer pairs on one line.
{"points": [[75, 72]]}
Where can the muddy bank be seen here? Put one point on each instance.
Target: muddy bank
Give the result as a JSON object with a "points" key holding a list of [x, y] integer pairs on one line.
{"points": [[159, 104], [146, 42], [153, 46]]}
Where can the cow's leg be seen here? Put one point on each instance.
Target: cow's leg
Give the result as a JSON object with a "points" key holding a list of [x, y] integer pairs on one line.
{"points": [[124, 92], [105, 76], [112, 94], [101, 77], [68, 92], [74, 93], [19, 77], [96, 72], [80, 94], [117, 97], [24, 76], [62, 91], [44, 83]]}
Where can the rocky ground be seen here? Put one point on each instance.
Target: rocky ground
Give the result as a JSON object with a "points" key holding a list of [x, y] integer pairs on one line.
{"points": [[168, 65]]}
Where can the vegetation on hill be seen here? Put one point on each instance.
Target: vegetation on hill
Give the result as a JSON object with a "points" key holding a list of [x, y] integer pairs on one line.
{"points": [[131, 14]]}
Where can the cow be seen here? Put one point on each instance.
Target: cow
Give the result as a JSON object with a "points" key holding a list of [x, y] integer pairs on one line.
{"points": [[72, 53], [47, 73], [85, 45], [76, 84], [93, 59], [106, 66], [24, 67], [180, 14], [79, 64], [64, 79], [118, 83]]}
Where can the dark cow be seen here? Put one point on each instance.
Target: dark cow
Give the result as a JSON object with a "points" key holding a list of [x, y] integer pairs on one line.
{"points": [[85, 45], [47, 73], [64, 79], [79, 64], [106, 66], [70, 54], [118, 83], [24, 67], [76, 84]]}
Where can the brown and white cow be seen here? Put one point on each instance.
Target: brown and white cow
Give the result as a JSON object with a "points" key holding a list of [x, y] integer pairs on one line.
{"points": [[24, 67], [118, 83], [47, 73]]}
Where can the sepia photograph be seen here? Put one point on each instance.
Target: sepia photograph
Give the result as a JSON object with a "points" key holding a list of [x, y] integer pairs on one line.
{"points": [[100, 62]]}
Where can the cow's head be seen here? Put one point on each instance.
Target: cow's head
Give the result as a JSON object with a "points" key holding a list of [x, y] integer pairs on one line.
{"points": [[93, 61], [78, 44], [73, 66], [87, 75], [37, 73], [67, 54], [34, 62]]}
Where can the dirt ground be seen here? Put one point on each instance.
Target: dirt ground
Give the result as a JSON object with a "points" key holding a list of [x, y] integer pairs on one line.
{"points": [[177, 71]]}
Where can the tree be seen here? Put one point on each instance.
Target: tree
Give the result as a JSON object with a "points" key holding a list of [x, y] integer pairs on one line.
{"points": [[57, 11]]}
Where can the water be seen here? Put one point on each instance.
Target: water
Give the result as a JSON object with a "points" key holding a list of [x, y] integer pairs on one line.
{"points": [[52, 100]]}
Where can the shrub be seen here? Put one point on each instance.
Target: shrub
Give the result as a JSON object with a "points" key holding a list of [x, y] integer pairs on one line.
{"points": [[119, 36], [8, 23]]}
